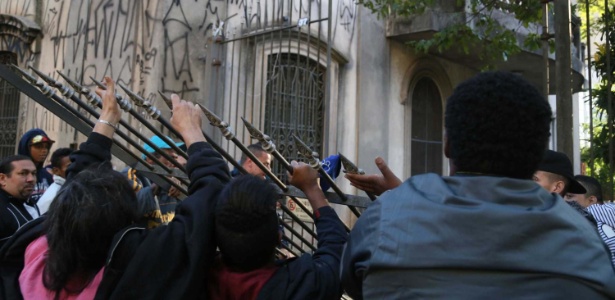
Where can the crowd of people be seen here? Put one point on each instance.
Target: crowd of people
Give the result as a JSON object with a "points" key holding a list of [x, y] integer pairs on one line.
{"points": [[511, 220]]}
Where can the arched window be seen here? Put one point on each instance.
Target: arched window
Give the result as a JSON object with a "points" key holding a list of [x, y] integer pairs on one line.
{"points": [[295, 103], [9, 109], [426, 139]]}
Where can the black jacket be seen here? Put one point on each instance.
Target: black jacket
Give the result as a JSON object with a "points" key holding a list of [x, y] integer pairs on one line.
{"points": [[13, 214], [12, 258], [138, 266], [315, 276]]}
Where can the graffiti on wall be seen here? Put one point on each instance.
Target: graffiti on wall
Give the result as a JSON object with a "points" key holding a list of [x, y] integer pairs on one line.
{"points": [[25, 52], [122, 39], [346, 13], [25, 8], [100, 38], [153, 44], [18, 29], [345, 18], [256, 14], [176, 51]]}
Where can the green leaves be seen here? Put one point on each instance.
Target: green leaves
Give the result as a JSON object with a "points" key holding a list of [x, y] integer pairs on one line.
{"points": [[385, 8], [604, 118], [481, 32]]}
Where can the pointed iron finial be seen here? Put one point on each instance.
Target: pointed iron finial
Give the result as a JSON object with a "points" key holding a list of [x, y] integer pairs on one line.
{"points": [[214, 120], [254, 132], [349, 166], [93, 99], [48, 79], [264, 139], [98, 83], [305, 151], [73, 83], [24, 73], [140, 102], [166, 99], [65, 90], [133, 96], [45, 89]]}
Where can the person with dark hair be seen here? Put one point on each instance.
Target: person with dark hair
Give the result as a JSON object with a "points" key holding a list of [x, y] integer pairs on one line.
{"points": [[486, 231], [603, 213], [555, 174], [156, 202], [593, 194], [60, 160], [36, 144], [185, 248], [88, 211], [263, 156], [17, 180], [97, 202], [247, 234], [252, 169]]}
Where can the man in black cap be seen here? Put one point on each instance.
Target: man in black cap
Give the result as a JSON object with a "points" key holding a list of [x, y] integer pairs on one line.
{"points": [[555, 174]]}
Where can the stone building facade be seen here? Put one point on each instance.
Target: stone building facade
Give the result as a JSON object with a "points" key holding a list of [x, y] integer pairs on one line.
{"points": [[329, 71]]}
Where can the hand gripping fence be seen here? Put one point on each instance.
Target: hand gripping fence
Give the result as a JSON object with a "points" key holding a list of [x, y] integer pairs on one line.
{"points": [[42, 91]]}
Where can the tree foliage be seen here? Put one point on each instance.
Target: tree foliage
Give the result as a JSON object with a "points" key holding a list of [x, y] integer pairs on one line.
{"points": [[604, 118], [482, 30], [596, 11]]}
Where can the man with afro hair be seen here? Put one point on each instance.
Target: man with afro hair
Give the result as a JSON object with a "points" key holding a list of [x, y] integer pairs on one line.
{"points": [[487, 231]]}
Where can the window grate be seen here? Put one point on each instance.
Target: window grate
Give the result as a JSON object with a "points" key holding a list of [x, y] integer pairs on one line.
{"points": [[9, 109], [295, 93]]}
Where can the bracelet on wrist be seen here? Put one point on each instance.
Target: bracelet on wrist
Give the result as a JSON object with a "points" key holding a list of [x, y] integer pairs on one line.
{"points": [[115, 126]]}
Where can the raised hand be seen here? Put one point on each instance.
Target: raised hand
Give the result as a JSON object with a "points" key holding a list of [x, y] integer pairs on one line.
{"points": [[187, 120], [306, 178], [111, 113], [303, 176], [375, 183]]}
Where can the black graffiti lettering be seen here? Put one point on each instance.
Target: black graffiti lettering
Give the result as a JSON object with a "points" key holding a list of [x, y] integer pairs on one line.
{"points": [[346, 11], [13, 44], [176, 14]]}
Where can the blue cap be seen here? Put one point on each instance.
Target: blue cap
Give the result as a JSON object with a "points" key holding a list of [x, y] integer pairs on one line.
{"points": [[156, 140], [331, 165]]}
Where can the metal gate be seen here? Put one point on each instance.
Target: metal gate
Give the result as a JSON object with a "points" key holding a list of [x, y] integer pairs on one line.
{"points": [[273, 70], [275, 66], [9, 109]]}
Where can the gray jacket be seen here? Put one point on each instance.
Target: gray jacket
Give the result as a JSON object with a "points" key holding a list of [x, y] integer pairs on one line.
{"points": [[474, 237]]}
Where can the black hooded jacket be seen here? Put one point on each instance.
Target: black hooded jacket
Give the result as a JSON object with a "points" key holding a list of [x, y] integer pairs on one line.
{"points": [[43, 178]]}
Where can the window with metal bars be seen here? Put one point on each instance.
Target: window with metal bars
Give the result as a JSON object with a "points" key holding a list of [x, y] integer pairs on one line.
{"points": [[426, 151], [294, 104], [9, 109]]}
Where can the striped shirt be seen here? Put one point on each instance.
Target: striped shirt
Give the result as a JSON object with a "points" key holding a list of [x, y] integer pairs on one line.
{"points": [[605, 217]]}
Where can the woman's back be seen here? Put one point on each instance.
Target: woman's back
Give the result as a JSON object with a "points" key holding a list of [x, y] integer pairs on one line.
{"points": [[31, 278]]}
